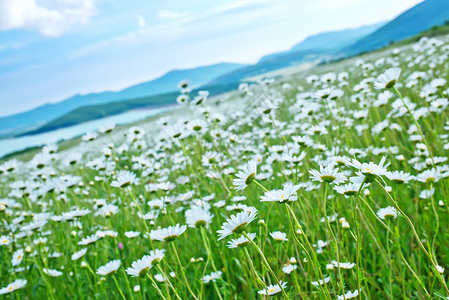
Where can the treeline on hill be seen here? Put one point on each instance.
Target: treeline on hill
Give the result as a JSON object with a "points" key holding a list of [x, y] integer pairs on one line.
{"points": [[94, 112]]}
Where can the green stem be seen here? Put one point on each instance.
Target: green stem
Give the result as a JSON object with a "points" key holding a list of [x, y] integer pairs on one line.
{"points": [[118, 286], [267, 265], [313, 259], [250, 261], [182, 271], [427, 253], [168, 281], [261, 186], [416, 124], [155, 285], [335, 241], [357, 228]]}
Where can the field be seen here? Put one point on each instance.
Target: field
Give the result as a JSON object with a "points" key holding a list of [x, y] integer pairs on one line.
{"points": [[325, 184]]}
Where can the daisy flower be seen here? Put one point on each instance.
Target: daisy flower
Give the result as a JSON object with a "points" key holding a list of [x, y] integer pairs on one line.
{"points": [[388, 79], [321, 281], [196, 125], [279, 236], [17, 257], [387, 213], [426, 194], [52, 272], [246, 175], [399, 176], [327, 93], [371, 170], [196, 217], [273, 289], [212, 277], [237, 223], [156, 256], [168, 234], [183, 84], [241, 241], [182, 99], [202, 97], [77, 255], [209, 158], [327, 174], [303, 140], [4, 240], [107, 128], [17, 284], [348, 295], [429, 176], [349, 189], [89, 240], [289, 268], [159, 277], [295, 158], [342, 265], [124, 179], [109, 268], [132, 234], [288, 193], [139, 267]]}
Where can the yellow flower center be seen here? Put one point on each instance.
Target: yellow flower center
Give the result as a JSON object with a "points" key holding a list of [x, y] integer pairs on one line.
{"points": [[368, 170]]}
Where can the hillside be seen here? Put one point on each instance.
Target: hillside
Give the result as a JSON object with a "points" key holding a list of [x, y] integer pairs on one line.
{"points": [[330, 41], [41, 115], [421, 17], [283, 61], [315, 48], [93, 112]]}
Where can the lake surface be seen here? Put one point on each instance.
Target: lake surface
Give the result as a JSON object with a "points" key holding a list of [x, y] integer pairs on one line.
{"points": [[16, 144]]}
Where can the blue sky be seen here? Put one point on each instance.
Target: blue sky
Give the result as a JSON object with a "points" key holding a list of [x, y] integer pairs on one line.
{"points": [[53, 49]]}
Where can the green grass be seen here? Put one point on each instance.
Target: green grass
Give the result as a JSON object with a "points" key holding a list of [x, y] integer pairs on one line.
{"points": [[391, 261]]}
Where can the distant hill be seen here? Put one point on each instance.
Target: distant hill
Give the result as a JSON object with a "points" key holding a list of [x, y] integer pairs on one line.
{"points": [[39, 116], [315, 48], [330, 41], [282, 61], [93, 112], [422, 16]]}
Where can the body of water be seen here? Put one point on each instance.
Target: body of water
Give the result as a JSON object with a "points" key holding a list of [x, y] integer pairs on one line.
{"points": [[16, 144]]}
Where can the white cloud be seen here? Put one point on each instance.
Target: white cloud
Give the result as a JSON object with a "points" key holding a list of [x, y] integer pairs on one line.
{"points": [[52, 19]]}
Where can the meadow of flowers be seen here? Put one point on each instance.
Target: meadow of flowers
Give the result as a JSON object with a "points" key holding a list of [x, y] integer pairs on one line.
{"points": [[327, 185]]}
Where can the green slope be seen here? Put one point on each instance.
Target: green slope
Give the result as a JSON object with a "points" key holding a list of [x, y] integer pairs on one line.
{"points": [[421, 17]]}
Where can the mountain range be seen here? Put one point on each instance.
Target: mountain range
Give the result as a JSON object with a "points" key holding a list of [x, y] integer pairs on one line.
{"points": [[315, 49], [35, 118], [319, 47]]}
